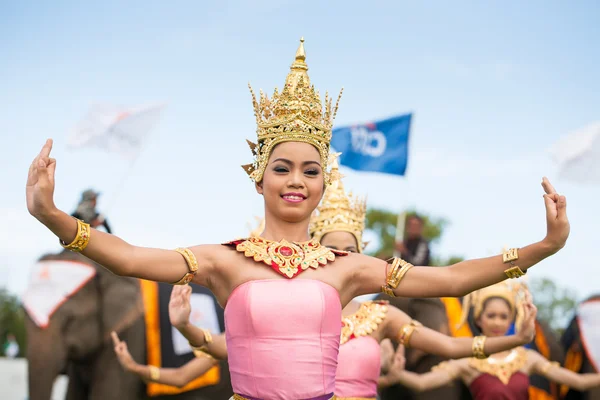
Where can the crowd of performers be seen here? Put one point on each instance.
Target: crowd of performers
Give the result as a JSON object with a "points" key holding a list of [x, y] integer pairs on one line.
{"points": [[293, 327]]}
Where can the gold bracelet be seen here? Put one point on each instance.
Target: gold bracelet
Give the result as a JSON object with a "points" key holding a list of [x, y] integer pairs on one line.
{"points": [[510, 256], [81, 239], [202, 350], [407, 331], [192, 264], [397, 272], [478, 344], [547, 367], [154, 372]]}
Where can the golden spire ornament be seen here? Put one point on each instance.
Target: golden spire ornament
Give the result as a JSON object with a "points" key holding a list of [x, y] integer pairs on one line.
{"points": [[294, 115], [339, 211]]}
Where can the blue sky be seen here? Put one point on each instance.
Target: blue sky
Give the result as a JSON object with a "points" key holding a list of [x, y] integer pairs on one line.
{"points": [[492, 87]]}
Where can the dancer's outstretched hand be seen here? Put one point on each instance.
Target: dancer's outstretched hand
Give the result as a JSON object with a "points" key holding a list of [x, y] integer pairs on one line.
{"points": [[527, 331], [179, 305], [557, 223], [40, 183], [122, 352]]}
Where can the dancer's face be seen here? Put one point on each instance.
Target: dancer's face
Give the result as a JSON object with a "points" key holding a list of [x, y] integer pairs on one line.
{"points": [[496, 317], [293, 182], [340, 240]]}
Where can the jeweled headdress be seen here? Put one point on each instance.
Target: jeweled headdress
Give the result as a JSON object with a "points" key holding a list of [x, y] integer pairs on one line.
{"points": [[514, 292], [294, 115], [339, 211]]}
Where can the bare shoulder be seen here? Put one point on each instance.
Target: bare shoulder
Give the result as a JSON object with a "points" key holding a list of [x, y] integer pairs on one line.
{"points": [[533, 358]]}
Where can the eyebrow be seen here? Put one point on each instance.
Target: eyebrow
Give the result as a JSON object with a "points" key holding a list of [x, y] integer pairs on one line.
{"points": [[285, 160]]}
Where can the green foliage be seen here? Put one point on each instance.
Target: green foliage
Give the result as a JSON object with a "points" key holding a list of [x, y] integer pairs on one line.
{"points": [[383, 224], [555, 304], [12, 320]]}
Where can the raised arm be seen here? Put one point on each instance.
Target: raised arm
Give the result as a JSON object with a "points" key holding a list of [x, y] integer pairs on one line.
{"points": [[107, 250], [443, 374], [399, 278], [407, 332], [170, 376], [555, 373], [200, 339]]}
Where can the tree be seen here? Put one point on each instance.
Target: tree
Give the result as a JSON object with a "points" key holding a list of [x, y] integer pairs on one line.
{"points": [[12, 319], [555, 304], [383, 224]]}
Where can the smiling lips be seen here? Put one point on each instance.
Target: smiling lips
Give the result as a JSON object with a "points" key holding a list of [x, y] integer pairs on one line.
{"points": [[294, 197]]}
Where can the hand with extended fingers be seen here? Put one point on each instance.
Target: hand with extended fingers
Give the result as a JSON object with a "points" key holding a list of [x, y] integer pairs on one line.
{"points": [[557, 223], [40, 183], [527, 330], [179, 305], [123, 355]]}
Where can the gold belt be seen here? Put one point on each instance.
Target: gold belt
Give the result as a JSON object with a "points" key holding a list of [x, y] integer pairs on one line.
{"points": [[238, 397], [356, 398]]}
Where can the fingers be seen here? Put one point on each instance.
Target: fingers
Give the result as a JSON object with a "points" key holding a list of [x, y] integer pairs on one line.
{"points": [[45, 153], [562, 207], [115, 338], [51, 169], [401, 350], [548, 188]]}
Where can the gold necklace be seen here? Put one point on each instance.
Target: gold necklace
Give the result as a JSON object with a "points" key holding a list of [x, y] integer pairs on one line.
{"points": [[364, 321], [504, 368], [287, 258]]}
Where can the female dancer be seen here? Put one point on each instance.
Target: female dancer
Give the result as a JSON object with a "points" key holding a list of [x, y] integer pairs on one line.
{"points": [[504, 375], [339, 224], [297, 357]]}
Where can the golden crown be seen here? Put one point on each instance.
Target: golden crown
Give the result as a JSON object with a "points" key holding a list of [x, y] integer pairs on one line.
{"points": [[294, 115], [339, 211], [514, 292]]}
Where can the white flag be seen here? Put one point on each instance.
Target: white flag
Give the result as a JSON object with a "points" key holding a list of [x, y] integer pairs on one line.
{"points": [[578, 155], [51, 283], [588, 317], [115, 129]]}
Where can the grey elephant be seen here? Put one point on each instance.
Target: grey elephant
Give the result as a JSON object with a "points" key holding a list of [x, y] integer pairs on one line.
{"points": [[77, 342]]}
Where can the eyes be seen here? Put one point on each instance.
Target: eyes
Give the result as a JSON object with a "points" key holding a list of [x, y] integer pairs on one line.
{"points": [[493, 315], [309, 171]]}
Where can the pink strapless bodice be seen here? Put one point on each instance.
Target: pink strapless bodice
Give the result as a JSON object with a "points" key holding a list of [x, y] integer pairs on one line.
{"points": [[358, 368], [283, 338]]}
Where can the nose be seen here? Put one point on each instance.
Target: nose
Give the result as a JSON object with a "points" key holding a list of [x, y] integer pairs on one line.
{"points": [[295, 181]]}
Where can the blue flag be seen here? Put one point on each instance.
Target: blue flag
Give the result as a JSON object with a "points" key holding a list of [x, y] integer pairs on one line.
{"points": [[380, 146]]}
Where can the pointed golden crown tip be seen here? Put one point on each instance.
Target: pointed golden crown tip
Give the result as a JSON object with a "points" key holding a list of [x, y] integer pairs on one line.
{"points": [[300, 58]]}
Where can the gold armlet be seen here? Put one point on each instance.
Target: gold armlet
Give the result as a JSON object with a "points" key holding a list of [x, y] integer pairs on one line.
{"points": [[510, 256], [544, 370], [478, 344], [397, 271], [154, 372], [192, 263], [81, 239], [202, 350], [407, 331]]}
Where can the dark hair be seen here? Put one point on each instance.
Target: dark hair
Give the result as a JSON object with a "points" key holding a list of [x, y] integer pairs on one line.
{"points": [[417, 217]]}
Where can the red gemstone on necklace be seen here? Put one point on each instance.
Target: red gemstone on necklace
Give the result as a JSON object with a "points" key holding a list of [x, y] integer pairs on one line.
{"points": [[286, 251]]}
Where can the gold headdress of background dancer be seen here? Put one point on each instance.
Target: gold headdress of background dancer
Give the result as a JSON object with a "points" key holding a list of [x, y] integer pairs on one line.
{"points": [[514, 292], [339, 211], [294, 115]]}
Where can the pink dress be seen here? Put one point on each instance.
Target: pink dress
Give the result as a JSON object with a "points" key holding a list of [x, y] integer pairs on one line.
{"points": [[283, 338], [358, 368], [359, 358]]}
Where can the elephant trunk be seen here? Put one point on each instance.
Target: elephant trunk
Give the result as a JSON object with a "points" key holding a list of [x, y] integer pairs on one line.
{"points": [[46, 358]]}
